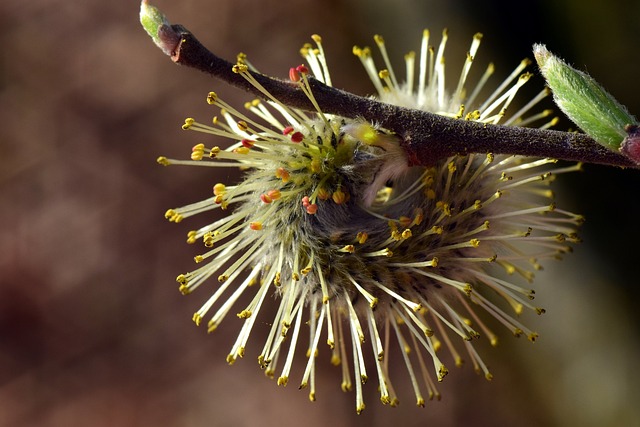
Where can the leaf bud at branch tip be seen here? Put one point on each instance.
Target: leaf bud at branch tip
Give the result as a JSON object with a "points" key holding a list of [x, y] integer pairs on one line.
{"points": [[587, 103], [158, 27]]}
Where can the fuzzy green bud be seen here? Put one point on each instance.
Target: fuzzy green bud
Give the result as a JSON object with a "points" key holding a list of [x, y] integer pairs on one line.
{"points": [[584, 101]]}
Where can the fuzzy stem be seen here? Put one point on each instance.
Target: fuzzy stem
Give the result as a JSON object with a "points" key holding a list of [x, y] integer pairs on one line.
{"points": [[426, 137]]}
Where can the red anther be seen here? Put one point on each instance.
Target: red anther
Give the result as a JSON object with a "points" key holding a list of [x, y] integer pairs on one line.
{"points": [[247, 143], [294, 75], [265, 198], [312, 209], [287, 130], [305, 201], [302, 69], [297, 137]]}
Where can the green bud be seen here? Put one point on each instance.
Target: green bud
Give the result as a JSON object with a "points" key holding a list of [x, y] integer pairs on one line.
{"points": [[158, 27], [584, 101]]}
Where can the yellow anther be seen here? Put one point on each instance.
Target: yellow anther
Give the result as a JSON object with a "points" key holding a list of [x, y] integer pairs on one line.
{"points": [[188, 122], [241, 150], [428, 180], [211, 326], [197, 319], [431, 195], [474, 243], [163, 161], [244, 314], [305, 49], [197, 152], [242, 125], [362, 237], [219, 189], [442, 372], [283, 381], [240, 68], [208, 241], [212, 97], [173, 216], [323, 194], [452, 167], [383, 74], [348, 248], [255, 225], [339, 196], [222, 278], [198, 259], [274, 194], [283, 174], [419, 216], [378, 39], [316, 165], [184, 290], [316, 38], [191, 237], [357, 51], [214, 152], [473, 115], [406, 234]]}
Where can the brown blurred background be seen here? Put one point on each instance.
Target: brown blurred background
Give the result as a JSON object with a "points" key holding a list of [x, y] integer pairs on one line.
{"points": [[92, 329]]}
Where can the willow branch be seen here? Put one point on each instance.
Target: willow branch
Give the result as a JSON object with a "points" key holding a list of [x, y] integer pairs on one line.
{"points": [[425, 136]]}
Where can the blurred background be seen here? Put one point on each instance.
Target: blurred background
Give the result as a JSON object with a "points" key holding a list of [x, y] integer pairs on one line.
{"points": [[92, 328]]}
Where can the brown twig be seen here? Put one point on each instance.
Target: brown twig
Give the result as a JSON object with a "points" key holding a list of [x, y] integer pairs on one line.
{"points": [[426, 137]]}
